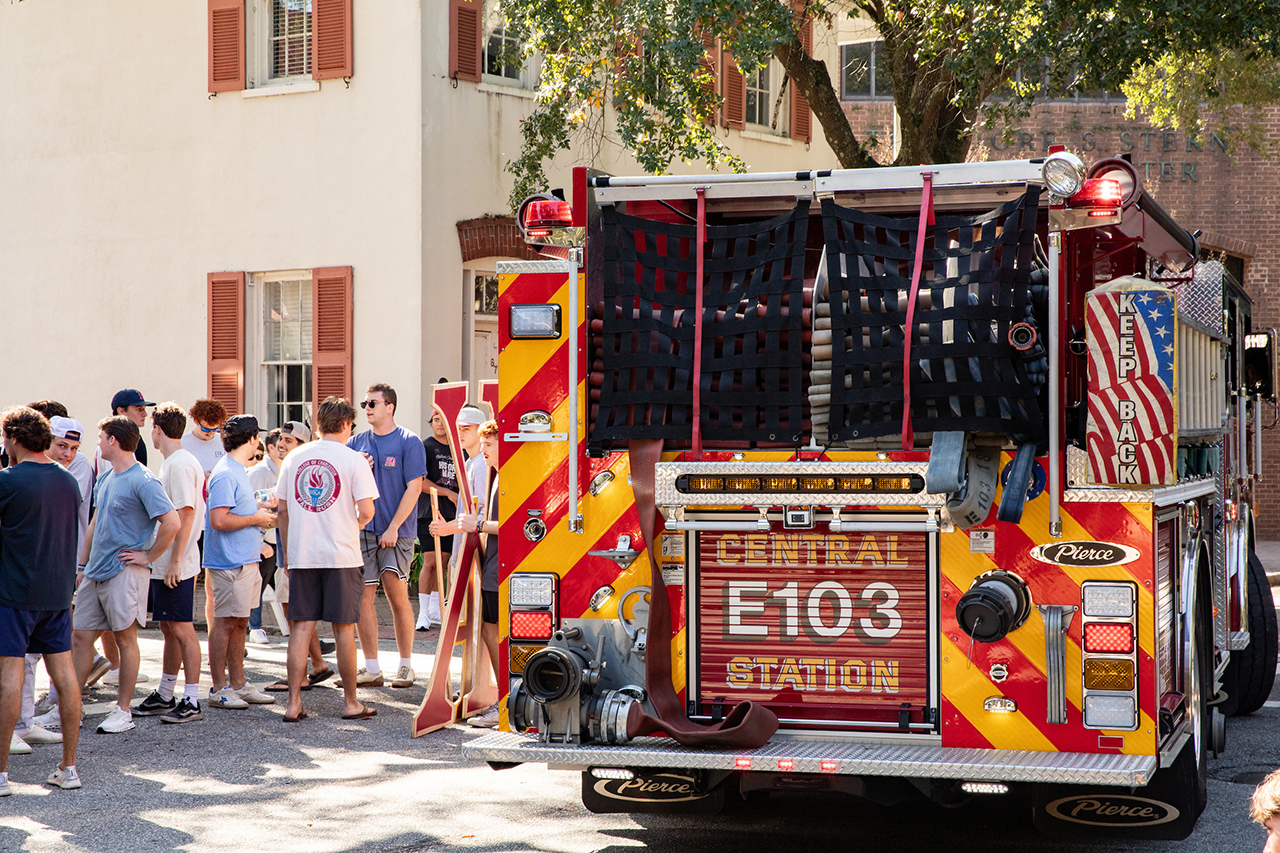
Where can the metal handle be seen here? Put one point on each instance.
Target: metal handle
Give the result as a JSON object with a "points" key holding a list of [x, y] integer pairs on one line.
{"points": [[573, 517], [760, 525], [929, 526], [1057, 618]]}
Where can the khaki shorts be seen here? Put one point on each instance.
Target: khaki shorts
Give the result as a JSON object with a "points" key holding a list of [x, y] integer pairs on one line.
{"points": [[235, 591], [377, 559], [281, 585], [113, 604]]}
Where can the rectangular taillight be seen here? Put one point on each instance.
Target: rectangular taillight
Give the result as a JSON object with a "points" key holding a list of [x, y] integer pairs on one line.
{"points": [[531, 624], [1108, 674], [1111, 638]]}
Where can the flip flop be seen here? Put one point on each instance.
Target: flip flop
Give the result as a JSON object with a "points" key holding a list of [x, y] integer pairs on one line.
{"points": [[317, 677], [365, 712], [302, 715], [282, 687]]}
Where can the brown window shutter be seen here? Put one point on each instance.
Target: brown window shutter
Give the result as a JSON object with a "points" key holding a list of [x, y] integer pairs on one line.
{"points": [[226, 339], [465, 31], [331, 305], [226, 45], [733, 114], [801, 117], [709, 63], [331, 51]]}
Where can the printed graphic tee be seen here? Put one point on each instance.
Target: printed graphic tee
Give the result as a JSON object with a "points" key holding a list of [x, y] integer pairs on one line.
{"points": [[320, 483]]}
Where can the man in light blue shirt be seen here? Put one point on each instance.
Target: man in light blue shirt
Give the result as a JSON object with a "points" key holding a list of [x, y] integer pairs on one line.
{"points": [[116, 562], [234, 521]]}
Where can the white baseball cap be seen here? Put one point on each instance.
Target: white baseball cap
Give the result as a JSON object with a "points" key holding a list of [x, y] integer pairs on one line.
{"points": [[66, 428], [471, 415]]}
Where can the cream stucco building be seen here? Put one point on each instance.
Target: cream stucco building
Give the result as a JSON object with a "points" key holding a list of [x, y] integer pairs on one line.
{"points": [[358, 142]]}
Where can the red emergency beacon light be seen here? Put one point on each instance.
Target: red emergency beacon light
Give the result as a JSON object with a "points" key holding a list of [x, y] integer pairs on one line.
{"points": [[1102, 195], [546, 220]]}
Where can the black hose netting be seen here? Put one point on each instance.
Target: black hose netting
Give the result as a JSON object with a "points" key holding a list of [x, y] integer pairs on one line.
{"points": [[974, 286], [752, 386]]}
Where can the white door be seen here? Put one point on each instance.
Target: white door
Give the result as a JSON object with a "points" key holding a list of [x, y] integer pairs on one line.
{"points": [[484, 355]]}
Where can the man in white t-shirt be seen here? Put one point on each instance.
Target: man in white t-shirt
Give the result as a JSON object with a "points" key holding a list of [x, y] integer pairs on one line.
{"points": [[326, 493], [204, 441], [173, 574]]}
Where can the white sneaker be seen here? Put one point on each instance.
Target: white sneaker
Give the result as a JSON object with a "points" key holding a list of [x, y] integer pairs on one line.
{"points": [[254, 696], [64, 777], [48, 720], [39, 734], [257, 636], [18, 746], [45, 704], [5, 790], [433, 609], [226, 698], [119, 720], [113, 677]]}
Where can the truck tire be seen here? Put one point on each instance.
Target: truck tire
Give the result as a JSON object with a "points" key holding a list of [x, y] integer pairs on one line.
{"points": [[1254, 666]]}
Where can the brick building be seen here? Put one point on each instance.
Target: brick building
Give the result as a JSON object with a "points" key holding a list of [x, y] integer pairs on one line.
{"points": [[1232, 198]]}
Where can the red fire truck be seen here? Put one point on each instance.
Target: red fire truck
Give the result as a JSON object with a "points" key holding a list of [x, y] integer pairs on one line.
{"points": [[898, 482]]}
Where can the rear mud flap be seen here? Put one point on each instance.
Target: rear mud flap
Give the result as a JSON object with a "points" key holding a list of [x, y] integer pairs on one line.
{"points": [[653, 792], [1164, 810]]}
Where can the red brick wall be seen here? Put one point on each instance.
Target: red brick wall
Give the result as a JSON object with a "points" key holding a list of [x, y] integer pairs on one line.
{"points": [[1233, 199], [493, 237]]}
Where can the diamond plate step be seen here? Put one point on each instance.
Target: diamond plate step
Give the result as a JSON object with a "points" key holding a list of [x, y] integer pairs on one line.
{"points": [[854, 759]]}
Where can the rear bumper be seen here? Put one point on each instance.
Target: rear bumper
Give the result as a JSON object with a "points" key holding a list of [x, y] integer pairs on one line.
{"points": [[923, 762]]}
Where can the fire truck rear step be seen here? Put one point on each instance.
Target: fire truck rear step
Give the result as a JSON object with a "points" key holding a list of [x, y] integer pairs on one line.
{"points": [[923, 762]]}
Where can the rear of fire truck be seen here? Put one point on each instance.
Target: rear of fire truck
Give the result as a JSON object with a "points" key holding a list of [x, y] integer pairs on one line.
{"points": [[897, 482]]}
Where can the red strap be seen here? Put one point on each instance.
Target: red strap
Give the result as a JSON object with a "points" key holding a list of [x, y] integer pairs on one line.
{"points": [[926, 218], [697, 327]]}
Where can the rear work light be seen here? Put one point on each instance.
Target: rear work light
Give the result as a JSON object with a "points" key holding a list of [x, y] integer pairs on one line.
{"points": [[531, 625], [532, 590], [1108, 638], [1109, 599], [695, 484]]}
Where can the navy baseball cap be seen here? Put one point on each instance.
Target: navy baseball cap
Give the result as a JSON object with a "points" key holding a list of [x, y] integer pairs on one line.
{"points": [[241, 425], [128, 397]]}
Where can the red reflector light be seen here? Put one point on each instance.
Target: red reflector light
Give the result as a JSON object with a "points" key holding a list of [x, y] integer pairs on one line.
{"points": [[829, 766], [1098, 192], [1108, 638], [742, 763], [531, 625], [547, 213], [786, 764]]}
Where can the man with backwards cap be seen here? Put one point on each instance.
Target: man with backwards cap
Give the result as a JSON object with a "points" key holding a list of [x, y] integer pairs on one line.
{"points": [[234, 521], [63, 450]]}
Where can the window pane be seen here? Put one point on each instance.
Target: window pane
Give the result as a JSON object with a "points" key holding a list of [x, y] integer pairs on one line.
{"points": [[855, 62], [289, 45], [486, 294], [884, 81]]}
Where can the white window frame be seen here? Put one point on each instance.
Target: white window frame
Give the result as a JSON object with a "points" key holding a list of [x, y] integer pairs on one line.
{"points": [[528, 77], [256, 380], [776, 74], [258, 53]]}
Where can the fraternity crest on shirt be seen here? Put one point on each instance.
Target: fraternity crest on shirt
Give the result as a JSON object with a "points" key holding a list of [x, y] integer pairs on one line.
{"points": [[316, 485]]}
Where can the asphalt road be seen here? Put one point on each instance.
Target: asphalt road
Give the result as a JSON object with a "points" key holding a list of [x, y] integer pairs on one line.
{"points": [[245, 781]]}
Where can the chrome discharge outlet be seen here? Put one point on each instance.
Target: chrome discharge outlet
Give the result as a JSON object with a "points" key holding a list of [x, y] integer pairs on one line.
{"points": [[557, 695]]}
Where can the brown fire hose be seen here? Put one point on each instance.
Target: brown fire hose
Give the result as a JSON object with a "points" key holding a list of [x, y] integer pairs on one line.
{"points": [[748, 725]]}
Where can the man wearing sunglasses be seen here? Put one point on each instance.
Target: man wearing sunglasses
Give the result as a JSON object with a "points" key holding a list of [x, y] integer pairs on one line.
{"points": [[204, 441], [399, 464]]}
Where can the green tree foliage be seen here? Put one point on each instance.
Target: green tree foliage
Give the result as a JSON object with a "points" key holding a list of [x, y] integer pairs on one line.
{"points": [[955, 65]]}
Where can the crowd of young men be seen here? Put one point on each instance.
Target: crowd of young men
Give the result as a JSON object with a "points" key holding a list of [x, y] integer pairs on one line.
{"points": [[347, 508]]}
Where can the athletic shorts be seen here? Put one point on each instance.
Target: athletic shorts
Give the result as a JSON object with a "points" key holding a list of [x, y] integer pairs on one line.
{"points": [[172, 605], [490, 601], [235, 591], [378, 560], [36, 632], [428, 542], [112, 604], [326, 595]]}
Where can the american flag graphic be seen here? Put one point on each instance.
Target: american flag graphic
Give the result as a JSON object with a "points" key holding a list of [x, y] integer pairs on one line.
{"points": [[1132, 437]]}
